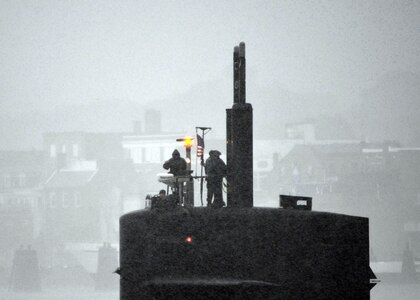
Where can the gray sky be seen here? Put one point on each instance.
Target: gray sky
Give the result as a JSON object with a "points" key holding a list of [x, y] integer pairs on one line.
{"points": [[76, 51], [56, 53]]}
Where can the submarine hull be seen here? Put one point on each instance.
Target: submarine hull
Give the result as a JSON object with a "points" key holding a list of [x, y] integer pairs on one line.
{"points": [[239, 253]]}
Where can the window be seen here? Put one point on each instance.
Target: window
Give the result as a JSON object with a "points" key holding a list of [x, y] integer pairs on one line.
{"points": [[7, 181], [63, 148], [51, 198], [258, 178], [22, 179], [162, 154], [53, 151], [155, 155], [136, 155], [15, 181], [75, 150], [39, 202], [77, 202], [64, 200], [310, 171], [282, 171]]}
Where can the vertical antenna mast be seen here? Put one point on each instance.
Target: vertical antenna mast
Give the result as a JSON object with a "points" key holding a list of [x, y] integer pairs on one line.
{"points": [[239, 137]]}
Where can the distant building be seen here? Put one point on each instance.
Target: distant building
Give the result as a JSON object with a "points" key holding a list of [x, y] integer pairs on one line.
{"points": [[65, 148], [267, 155], [84, 205], [303, 130], [151, 149], [20, 178], [379, 181], [88, 180], [408, 159]]}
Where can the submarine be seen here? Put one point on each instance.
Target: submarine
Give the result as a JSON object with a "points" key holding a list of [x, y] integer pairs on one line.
{"points": [[178, 251]]}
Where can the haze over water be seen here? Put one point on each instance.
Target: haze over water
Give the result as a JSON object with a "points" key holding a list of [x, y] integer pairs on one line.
{"points": [[350, 67]]}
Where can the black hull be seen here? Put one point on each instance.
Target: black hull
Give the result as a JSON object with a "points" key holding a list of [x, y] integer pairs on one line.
{"points": [[243, 253]]}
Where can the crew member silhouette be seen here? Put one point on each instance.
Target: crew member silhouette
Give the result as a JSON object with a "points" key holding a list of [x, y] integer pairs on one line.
{"points": [[215, 170], [176, 165]]}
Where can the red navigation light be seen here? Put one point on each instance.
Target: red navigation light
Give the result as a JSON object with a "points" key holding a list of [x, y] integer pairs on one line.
{"points": [[188, 239]]}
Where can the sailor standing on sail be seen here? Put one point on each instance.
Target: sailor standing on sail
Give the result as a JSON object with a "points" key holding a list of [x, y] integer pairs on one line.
{"points": [[215, 169], [176, 165]]}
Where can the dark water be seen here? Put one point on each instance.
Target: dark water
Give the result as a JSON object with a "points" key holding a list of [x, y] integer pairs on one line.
{"points": [[380, 292], [60, 294]]}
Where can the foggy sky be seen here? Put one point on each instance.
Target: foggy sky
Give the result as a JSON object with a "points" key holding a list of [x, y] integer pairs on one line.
{"points": [[96, 65], [57, 53]]}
